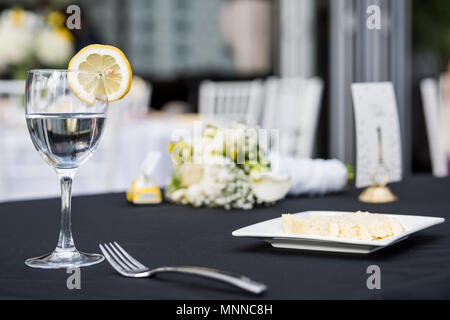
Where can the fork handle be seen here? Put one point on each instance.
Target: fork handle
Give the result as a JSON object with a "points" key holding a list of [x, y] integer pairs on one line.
{"points": [[219, 275]]}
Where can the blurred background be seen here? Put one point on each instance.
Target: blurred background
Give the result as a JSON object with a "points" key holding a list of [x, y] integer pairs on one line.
{"points": [[292, 58]]}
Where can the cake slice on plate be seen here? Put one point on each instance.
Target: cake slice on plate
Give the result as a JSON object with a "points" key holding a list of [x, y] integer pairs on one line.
{"points": [[356, 226]]}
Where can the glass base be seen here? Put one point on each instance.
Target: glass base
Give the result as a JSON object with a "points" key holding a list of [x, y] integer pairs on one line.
{"points": [[59, 259]]}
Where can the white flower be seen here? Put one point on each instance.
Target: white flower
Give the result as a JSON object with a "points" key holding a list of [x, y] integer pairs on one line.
{"points": [[17, 29], [223, 184], [18, 18], [178, 195], [17, 45], [225, 181], [53, 47]]}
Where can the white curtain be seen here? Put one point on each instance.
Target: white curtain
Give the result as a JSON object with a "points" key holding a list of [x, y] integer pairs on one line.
{"points": [[297, 38]]}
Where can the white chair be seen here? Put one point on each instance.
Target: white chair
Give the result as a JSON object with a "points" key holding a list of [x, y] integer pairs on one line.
{"points": [[292, 106], [435, 124], [239, 101]]}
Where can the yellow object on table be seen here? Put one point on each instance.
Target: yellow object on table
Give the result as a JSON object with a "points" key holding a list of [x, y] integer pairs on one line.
{"points": [[144, 191]]}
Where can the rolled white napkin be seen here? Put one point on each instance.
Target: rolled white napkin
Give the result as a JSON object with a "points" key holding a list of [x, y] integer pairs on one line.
{"points": [[313, 176]]}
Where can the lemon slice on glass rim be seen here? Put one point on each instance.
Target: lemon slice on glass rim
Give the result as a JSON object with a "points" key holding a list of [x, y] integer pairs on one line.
{"points": [[104, 71]]}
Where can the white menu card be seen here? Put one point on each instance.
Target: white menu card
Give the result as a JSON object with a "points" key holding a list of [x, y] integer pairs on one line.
{"points": [[377, 126]]}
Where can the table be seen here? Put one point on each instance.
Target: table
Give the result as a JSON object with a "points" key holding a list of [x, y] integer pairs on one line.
{"points": [[166, 234]]}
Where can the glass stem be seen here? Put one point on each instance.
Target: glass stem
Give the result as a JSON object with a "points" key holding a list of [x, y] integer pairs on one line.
{"points": [[65, 241]]}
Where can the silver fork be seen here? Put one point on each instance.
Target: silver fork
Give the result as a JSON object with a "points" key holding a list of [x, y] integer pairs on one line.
{"points": [[128, 266]]}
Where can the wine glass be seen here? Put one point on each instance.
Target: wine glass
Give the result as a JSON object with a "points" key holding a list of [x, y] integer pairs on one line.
{"points": [[66, 131]]}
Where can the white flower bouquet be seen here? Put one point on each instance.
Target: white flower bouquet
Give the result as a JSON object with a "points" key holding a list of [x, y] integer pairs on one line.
{"points": [[16, 35], [219, 169], [32, 41]]}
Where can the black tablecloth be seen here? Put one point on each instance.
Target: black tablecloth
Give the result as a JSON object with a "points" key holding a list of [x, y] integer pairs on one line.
{"points": [[166, 234]]}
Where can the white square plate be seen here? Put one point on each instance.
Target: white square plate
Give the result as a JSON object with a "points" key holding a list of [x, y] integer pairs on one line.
{"points": [[272, 232]]}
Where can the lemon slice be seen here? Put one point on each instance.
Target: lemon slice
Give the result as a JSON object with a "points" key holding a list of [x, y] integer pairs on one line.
{"points": [[107, 73]]}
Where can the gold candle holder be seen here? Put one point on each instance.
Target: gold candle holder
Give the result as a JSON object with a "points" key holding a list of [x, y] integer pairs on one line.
{"points": [[378, 192]]}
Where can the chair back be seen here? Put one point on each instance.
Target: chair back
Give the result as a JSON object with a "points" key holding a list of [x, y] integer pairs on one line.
{"points": [[292, 106], [239, 101]]}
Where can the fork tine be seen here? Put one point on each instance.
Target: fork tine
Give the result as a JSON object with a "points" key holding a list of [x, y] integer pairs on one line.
{"points": [[126, 254], [111, 261], [119, 257], [123, 258], [113, 256]]}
